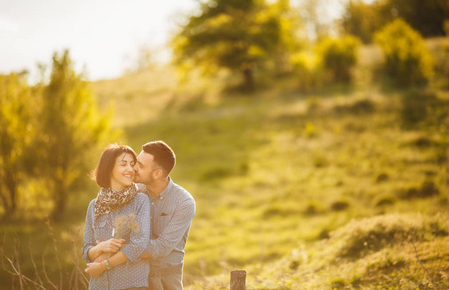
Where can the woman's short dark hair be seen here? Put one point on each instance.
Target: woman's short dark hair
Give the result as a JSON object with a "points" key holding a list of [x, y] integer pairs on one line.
{"points": [[163, 155], [102, 173]]}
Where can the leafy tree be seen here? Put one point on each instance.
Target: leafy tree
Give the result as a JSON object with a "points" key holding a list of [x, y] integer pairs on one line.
{"points": [[291, 37], [16, 104], [362, 19], [407, 58], [425, 16], [238, 35], [70, 127], [338, 57]]}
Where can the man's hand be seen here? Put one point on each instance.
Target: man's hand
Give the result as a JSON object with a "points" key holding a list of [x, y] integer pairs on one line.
{"points": [[95, 269]]}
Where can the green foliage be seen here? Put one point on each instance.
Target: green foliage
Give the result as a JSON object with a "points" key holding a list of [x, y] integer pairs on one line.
{"points": [[427, 17], [339, 205], [423, 108], [407, 59], [331, 61], [236, 35], [70, 127], [17, 106], [441, 56], [363, 19], [338, 57], [307, 70], [426, 190], [363, 106]]}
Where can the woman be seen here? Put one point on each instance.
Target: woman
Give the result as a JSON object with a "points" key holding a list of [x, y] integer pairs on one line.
{"points": [[117, 228]]}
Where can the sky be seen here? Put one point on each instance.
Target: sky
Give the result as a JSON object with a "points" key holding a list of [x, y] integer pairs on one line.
{"points": [[102, 35]]}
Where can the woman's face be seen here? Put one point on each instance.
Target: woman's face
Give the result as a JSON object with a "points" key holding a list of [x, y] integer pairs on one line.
{"points": [[123, 172]]}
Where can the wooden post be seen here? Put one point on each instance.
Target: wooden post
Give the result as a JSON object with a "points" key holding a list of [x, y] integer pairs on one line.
{"points": [[238, 280]]}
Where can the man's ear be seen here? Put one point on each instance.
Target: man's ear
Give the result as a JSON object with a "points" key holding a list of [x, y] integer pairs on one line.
{"points": [[158, 173]]}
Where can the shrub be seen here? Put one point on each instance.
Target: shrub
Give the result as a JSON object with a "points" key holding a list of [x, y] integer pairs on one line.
{"points": [[385, 200], [427, 189], [339, 205], [360, 107], [362, 237], [423, 108], [338, 57], [313, 208], [407, 59], [382, 177], [307, 71], [441, 57]]}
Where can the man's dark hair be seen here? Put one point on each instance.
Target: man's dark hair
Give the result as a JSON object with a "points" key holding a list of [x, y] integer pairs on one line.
{"points": [[163, 155], [102, 173]]}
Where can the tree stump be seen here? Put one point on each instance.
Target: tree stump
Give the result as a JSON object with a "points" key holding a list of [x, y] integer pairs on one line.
{"points": [[238, 280]]}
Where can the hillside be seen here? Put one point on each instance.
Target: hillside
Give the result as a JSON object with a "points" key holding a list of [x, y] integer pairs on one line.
{"points": [[328, 189], [343, 187]]}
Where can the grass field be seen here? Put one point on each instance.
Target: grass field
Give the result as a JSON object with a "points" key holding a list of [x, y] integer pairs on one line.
{"points": [[340, 188]]}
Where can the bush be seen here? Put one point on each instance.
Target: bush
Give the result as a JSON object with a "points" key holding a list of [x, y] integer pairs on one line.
{"points": [[362, 237], [422, 107], [407, 59], [428, 189], [361, 107], [338, 57], [385, 201], [441, 57], [306, 69], [339, 205]]}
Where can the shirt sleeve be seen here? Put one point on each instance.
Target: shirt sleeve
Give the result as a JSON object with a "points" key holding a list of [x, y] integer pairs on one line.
{"points": [[89, 236], [139, 238], [174, 232]]}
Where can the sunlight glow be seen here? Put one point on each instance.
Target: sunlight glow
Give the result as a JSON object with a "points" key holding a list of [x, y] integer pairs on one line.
{"points": [[99, 33]]}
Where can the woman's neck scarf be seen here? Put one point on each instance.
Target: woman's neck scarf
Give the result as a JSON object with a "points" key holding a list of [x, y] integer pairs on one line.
{"points": [[108, 200]]}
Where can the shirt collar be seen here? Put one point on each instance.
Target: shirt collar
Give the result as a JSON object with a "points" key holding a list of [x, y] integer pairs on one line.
{"points": [[166, 190]]}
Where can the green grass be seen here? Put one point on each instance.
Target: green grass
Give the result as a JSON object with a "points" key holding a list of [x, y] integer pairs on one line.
{"points": [[289, 185]]}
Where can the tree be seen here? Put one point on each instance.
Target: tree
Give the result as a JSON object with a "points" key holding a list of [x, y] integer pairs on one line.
{"points": [[427, 17], [16, 103], [338, 57], [362, 19], [407, 58], [70, 127], [238, 35]]}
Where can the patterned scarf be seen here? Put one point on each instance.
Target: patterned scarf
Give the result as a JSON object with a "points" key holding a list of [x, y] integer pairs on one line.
{"points": [[108, 200]]}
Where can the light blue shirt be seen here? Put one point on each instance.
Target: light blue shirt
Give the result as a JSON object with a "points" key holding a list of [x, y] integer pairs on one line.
{"points": [[172, 213], [135, 272]]}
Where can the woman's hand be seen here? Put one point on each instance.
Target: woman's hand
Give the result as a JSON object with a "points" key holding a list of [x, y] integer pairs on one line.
{"points": [[103, 257], [95, 269], [110, 246]]}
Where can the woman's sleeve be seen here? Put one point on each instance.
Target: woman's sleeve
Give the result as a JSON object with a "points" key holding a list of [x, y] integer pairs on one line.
{"points": [[89, 235], [139, 238]]}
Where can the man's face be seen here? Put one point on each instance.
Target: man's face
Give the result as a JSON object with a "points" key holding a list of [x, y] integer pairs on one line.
{"points": [[144, 169]]}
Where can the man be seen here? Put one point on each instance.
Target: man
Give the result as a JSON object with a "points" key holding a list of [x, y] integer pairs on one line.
{"points": [[172, 212]]}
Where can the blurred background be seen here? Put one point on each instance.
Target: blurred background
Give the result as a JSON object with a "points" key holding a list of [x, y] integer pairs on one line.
{"points": [[313, 135]]}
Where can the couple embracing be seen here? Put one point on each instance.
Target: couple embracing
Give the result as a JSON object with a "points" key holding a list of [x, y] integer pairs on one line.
{"points": [[137, 227]]}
